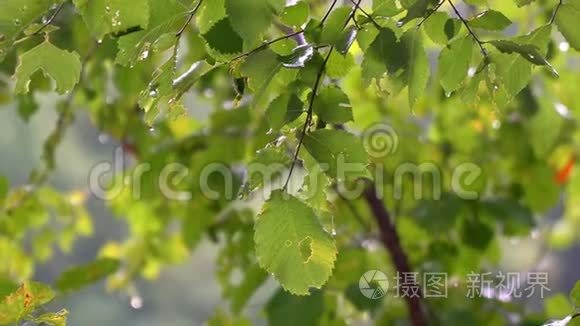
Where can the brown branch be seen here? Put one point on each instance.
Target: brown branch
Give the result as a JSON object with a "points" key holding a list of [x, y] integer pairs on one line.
{"points": [[390, 239]]}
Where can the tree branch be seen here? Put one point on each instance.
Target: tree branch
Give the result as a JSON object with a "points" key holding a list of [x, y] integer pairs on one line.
{"points": [[191, 14], [477, 40], [431, 13], [309, 114], [390, 239], [51, 19]]}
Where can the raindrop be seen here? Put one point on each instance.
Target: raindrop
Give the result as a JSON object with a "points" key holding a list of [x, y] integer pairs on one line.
{"points": [[152, 129], [100, 41], [471, 72], [45, 20], [103, 138], [448, 94], [17, 22], [153, 93], [400, 23], [333, 232], [564, 46], [107, 8], [136, 302], [144, 54], [562, 110], [270, 131]]}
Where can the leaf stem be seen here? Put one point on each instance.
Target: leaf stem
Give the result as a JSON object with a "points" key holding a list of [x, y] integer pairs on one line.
{"points": [[328, 13], [434, 10], [191, 14], [369, 16], [50, 19], [479, 42], [553, 18], [265, 45], [308, 115]]}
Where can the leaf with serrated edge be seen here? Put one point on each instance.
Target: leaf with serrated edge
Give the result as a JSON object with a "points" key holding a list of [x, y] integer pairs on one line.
{"points": [[292, 245], [63, 66]]}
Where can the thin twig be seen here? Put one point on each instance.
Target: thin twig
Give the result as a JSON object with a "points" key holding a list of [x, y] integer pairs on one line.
{"points": [[369, 16], [265, 45], [431, 13], [50, 19], [308, 115], [553, 18], [191, 14], [479, 42], [328, 12]]}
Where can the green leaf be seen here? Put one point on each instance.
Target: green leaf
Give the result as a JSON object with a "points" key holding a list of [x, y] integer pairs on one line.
{"points": [[338, 65], [210, 13], [78, 277], [249, 28], [575, 295], [441, 28], [63, 66], [544, 128], [381, 55], [512, 71], [289, 310], [284, 109], [166, 17], [332, 105], [476, 234], [296, 15], [113, 16], [292, 245], [521, 3], [418, 69], [52, 318], [333, 148], [334, 25], [385, 8], [27, 298], [454, 63], [529, 52], [223, 39], [490, 20], [299, 56], [567, 21], [268, 163], [16, 16]]}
